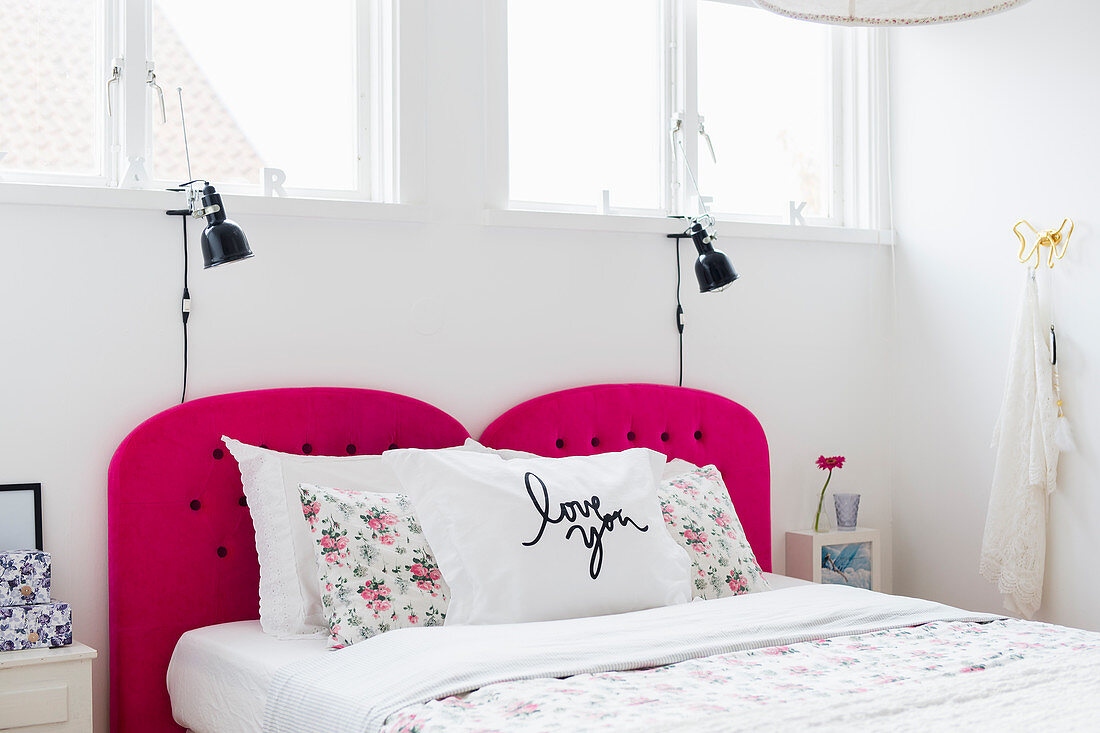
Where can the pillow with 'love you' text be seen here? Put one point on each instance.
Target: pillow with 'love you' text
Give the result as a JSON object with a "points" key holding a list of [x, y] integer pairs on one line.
{"points": [[536, 539]]}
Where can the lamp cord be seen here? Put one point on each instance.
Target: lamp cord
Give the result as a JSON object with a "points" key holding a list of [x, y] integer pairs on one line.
{"points": [[185, 308], [679, 315]]}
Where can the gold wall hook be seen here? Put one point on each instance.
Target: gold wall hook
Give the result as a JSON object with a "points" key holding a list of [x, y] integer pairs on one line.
{"points": [[1051, 238]]}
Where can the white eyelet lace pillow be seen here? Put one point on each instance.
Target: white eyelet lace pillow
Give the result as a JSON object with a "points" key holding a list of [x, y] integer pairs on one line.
{"points": [[699, 515], [375, 569]]}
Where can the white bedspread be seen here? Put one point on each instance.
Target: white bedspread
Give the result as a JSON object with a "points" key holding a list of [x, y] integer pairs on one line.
{"points": [[357, 688]]}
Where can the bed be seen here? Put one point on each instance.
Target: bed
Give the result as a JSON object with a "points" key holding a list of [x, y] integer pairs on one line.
{"points": [[184, 578]]}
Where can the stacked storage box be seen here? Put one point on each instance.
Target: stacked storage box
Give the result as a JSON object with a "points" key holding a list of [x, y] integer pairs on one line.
{"points": [[28, 618]]}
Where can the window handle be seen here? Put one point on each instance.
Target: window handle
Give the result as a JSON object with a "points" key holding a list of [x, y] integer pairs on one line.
{"points": [[151, 80], [706, 136], [116, 78], [674, 131]]}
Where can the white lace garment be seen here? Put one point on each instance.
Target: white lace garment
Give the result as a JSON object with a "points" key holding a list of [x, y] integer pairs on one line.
{"points": [[1026, 469]]}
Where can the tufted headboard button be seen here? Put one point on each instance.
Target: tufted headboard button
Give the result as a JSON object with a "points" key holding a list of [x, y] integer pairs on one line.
{"points": [[595, 442], [559, 443], [664, 437], [218, 454], [698, 434], [393, 446], [630, 435], [242, 501], [195, 505], [307, 448], [351, 449], [222, 552]]}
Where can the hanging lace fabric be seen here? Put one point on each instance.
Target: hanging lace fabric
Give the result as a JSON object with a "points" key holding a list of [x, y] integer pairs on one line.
{"points": [[1031, 433]]}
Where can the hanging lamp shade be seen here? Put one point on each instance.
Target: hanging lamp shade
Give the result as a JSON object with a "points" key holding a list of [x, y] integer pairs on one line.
{"points": [[886, 12]]}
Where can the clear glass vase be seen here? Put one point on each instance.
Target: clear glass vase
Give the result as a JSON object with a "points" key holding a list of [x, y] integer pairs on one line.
{"points": [[847, 511]]}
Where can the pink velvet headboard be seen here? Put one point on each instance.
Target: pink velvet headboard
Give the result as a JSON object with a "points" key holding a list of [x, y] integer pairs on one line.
{"points": [[180, 540], [697, 426]]}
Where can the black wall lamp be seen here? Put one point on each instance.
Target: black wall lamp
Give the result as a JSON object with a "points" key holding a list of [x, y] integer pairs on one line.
{"points": [[713, 268], [223, 241]]}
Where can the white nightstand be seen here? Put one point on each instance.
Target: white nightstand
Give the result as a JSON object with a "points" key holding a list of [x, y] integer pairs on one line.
{"points": [[844, 558], [49, 689]]}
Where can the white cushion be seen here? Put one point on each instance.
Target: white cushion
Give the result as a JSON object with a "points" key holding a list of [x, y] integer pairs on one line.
{"points": [[510, 535], [290, 596]]}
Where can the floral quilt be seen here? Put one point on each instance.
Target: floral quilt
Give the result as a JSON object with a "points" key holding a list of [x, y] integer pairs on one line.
{"points": [[946, 668]]}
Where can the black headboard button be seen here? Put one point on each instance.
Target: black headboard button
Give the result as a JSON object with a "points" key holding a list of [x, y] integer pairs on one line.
{"points": [[222, 552], [351, 449], [393, 446], [698, 434], [595, 442], [559, 443], [664, 437], [195, 505], [242, 501], [307, 448], [218, 454], [630, 435]]}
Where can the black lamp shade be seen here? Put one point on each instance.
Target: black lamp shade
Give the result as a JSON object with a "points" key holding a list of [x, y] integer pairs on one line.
{"points": [[223, 240], [712, 268]]}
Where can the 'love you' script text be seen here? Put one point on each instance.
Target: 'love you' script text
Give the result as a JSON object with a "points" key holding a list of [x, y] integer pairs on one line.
{"points": [[591, 533]]}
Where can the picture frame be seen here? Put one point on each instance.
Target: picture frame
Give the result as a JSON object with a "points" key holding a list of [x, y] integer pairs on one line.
{"points": [[840, 558], [20, 517]]}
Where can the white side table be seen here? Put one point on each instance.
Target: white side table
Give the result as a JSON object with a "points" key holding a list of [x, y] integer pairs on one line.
{"points": [[49, 689], [844, 558]]}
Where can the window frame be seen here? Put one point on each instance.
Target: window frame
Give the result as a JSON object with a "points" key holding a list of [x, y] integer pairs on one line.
{"points": [[859, 133]]}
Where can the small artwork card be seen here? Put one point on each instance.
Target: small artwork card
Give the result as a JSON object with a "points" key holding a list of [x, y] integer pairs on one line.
{"points": [[847, 564], [20, 517]]}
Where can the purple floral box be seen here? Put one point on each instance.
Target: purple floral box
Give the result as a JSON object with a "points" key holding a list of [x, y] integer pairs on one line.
{"points": [[24, 577], [40, 625]]}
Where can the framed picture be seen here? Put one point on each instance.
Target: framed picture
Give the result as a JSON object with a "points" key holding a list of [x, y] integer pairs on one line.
{"points": [[20, 517], [841, 558]]}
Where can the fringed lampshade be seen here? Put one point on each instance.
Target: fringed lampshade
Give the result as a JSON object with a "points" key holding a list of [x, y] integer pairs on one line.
{"points": [[886, 12]]}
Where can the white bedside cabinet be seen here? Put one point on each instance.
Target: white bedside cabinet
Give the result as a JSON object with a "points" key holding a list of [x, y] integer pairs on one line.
{"points": [[844, 558], [47, 690]]}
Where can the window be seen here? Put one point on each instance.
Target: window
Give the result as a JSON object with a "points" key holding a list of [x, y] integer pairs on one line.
{"points": [[585, 116], [51, 105], [612, 105], [95, 99]]}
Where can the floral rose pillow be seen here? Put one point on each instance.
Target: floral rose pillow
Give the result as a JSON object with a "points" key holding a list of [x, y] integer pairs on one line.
{"points": [[376, 570], [700, 516]]}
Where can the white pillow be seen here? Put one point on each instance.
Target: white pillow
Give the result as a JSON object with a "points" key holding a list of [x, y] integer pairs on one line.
{"points": [[673, 468], [505, 453], [290, 596], [510, 536]]}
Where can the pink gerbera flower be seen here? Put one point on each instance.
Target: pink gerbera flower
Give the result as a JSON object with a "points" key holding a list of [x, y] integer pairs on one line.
{"points": [[826, 464]]}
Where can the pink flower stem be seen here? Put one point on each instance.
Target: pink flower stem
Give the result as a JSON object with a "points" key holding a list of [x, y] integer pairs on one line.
{"points": [[817, 519]]}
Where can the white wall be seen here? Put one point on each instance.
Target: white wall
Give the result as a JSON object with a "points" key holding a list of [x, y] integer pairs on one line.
{"points": [[89, 303], [994, 120]]}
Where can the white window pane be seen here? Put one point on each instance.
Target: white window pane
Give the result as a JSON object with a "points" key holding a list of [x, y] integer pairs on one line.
{"points": [[270, 88], [51, 86], [584, 102], [765, 93]]}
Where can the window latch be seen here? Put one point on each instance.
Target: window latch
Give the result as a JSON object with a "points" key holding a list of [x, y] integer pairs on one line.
{"points": [[115, 79], [151, 80], [674, 130], [706, 136]]}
